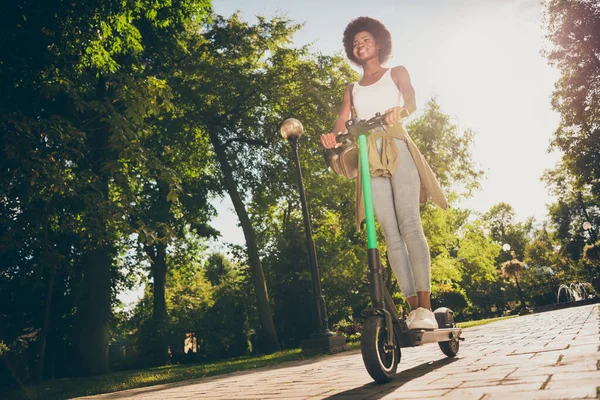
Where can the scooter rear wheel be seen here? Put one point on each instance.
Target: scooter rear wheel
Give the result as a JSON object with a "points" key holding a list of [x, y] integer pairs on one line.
{"points": [[381, 363], [450, 348]]}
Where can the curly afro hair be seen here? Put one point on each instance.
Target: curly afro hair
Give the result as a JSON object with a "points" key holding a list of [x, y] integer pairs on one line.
{"points": [[365, 24]]}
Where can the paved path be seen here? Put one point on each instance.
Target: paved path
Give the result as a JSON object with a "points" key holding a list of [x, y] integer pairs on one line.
{"points": [[551, 355]]}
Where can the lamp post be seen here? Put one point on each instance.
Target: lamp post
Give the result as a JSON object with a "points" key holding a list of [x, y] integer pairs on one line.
{"points": [[512, 268], [322, 339], [591, 251], [589, 228]]}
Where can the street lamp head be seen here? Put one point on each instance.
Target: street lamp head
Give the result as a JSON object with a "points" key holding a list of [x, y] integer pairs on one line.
{"points": [[291, 128], [587, 226], [506, 247]]}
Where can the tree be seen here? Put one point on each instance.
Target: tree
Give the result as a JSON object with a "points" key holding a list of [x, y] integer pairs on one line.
{"points": [[217, 268], [447, 150], [246, 81], [341, 250], [575, 205], [504, 229], [477, 254], [592, 253], [573, 28], [513, 268], [172, 201], [547, 268], [78, 93]]}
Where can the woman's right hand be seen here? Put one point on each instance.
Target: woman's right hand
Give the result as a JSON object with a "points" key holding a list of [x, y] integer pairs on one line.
{"points": [[328, 141]]}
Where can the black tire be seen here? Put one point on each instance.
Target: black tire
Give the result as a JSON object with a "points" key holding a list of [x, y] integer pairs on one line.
{"points": [[380, 364], [450, 348]]}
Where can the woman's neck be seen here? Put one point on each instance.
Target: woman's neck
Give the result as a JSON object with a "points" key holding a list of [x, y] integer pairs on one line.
{"points": [[372, 67]]}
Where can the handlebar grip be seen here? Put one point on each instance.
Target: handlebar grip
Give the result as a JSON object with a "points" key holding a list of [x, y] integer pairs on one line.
{"points": [[342, 137], [357, 126]]}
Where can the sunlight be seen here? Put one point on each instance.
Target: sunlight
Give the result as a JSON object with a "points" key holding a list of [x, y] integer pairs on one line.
{"points": [[489, 75]]}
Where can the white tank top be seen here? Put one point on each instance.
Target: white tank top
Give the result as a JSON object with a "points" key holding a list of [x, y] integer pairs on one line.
{"points": [[376, 98]]}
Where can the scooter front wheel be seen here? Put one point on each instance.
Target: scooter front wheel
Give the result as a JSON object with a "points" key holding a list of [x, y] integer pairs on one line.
{"points": [[380, 360], [450, 348]]}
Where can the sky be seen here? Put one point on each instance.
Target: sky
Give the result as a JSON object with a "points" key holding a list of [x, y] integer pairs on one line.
{"points": [[481, 60]]}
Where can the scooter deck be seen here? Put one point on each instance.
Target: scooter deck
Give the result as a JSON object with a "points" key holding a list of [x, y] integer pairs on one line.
{"points": [[419, 337]]}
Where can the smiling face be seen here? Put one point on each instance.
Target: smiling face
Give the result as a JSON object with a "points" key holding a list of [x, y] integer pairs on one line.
{"points": [[364, 47]]}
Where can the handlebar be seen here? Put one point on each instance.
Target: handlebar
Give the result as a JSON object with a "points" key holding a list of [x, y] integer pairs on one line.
{"points": [[356, 127]]}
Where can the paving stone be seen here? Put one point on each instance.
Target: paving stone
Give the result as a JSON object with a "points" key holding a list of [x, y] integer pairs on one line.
{"points": [[537, 395], [420, 394], [551, 355]]}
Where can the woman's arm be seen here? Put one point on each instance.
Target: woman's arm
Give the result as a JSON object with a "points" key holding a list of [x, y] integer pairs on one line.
{"points": [[345, 112], [328, 140], [401, 78]]}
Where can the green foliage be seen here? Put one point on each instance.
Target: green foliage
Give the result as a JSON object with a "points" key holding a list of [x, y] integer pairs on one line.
{"points": [[470, 324], [341, 251], [224, 329], [79, 95], [478, 253], [456, 300], [217, 268], [119, 120], [246, 80], [3, 348], [447, 151], [592, 253], [505, 230], [217, 314], [573, 28], [481, 279], [349, 329], [512, 268]]}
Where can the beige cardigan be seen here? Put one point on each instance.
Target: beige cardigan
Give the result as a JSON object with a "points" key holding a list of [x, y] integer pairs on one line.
{"points": [[386, 165]]}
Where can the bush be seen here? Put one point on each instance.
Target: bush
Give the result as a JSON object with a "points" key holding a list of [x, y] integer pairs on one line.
{"points": [[351, 330], [454, 298], [592, 253]]}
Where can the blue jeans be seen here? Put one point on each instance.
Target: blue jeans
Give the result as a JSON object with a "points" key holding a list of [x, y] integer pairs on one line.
{"points": [[396, 203]]}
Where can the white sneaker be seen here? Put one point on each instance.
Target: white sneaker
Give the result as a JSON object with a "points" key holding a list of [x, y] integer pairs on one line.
{"points": [[423, 319], [410, 317]]}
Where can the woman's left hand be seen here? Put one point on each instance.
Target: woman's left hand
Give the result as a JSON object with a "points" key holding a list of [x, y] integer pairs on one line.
{"points": [[393, 116]]}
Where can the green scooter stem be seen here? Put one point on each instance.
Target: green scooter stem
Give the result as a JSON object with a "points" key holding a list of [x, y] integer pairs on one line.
{"points": [[367, 194], [373, 257]]}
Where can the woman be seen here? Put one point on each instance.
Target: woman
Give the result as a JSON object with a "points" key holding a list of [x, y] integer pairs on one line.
{"points": [[401, 177]]}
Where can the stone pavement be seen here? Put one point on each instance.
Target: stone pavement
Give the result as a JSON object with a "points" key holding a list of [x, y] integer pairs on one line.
{"points": [[551, 355]]}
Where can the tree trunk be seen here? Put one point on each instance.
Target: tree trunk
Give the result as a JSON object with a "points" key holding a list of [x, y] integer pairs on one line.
{"points": [[44, 334], [159, 347], [520, 292], [94, 308], [262, 297], [94, 311], [48, 302]]}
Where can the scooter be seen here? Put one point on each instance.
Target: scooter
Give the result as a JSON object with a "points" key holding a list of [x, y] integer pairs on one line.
{"points": [[384, 331]]}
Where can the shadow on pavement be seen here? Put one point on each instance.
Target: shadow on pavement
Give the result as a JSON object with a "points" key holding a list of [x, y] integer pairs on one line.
{"points": [[375, 391]]}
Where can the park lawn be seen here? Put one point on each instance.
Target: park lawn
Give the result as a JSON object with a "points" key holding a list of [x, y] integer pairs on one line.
{"points": [[470, 324], [123, 380]]}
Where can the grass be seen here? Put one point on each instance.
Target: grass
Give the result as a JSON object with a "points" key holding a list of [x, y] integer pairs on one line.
{"points": [[123, 380], [470, 324]]}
